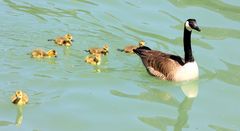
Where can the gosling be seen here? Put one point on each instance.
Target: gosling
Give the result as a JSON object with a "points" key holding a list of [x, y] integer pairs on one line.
{"points": [[65, 40], [93, 59], [19, 98], [103, 51], [39, 53], [129, 49]]}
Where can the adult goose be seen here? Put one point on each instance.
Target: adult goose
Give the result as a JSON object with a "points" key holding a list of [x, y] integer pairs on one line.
{"points": [[172, 67]]}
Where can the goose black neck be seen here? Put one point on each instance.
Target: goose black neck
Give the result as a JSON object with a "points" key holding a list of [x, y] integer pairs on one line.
{"points": [[187, 46]]}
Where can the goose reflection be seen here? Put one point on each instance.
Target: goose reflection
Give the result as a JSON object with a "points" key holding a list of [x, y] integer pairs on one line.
{"points": [[189, 89]]}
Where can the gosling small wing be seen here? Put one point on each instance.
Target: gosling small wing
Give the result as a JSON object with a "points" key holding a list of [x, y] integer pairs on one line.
{"points": [[25, 98], [38, 53], [95, 50], [59, 40], [129, 49], [160, 64]]}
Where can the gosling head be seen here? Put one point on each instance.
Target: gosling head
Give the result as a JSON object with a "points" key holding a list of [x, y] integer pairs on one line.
{"points": [[106, 47], [19, 94], [191, 24], [68, 37], [20, 98], [17, 97], [52, 53], [141, 43]]}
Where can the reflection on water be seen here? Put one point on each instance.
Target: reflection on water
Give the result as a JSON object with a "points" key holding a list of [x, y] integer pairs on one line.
{"points": [[229, 11], [154, 95], [38, 11], [5, 123], [228, 75], [220, 128], [28, 24], [190, 89], [176, 41], [19, 117]]}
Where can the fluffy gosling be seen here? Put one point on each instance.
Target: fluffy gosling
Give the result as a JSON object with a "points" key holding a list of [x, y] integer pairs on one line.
{"points": [[93, 59], [130, 48], [19, 98], [39, 53], [103, 51], [65, 40]]}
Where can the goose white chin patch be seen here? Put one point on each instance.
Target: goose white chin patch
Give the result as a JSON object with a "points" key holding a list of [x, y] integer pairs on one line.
{"points": [[188, 27], [188, 71]]}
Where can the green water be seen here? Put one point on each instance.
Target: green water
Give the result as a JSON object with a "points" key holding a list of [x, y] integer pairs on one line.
{"points": [[67, 94]]}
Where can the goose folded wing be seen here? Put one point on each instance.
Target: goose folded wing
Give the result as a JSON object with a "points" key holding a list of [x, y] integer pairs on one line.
{"points": [[161, 64]]}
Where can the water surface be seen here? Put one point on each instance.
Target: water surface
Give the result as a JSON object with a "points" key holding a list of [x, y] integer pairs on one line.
{"points": [[67, 94]]}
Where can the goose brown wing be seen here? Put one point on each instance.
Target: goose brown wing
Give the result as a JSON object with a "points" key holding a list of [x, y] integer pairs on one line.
{"points": [[160, 64]]}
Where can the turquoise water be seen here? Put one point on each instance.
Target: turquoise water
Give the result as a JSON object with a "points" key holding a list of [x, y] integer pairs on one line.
{"points": [[68, 94]]}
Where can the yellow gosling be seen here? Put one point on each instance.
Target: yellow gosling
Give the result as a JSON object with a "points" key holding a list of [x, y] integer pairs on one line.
{"points": [[94, 59], [67, 43], [68, 37], [103, 51], [19, 98], [65, 40], [39, 53], [129, 49]]}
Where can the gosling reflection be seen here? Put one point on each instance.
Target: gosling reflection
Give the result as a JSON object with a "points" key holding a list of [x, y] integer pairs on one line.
{"points": [[19, 117], [67, 51], [189, 89]]}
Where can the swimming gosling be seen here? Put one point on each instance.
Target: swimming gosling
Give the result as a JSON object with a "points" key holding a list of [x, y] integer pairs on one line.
{"points": [[65, 40], [172, 67], [93, 59], [39, 53], [103, 51], [19, 98], [130, 48]]}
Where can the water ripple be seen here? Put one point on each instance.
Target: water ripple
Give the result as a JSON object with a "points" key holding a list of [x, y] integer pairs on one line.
{"points": [[218, 6]]}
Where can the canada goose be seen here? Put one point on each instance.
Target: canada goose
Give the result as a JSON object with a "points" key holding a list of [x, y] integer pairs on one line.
{"points": [[19, 98], [65, 40], [103, 50], [172, 67], [129, 48], [94, 59], [39, 53]]}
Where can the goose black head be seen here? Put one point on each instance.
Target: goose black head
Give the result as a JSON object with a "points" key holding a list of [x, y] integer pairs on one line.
{"points": [[192, 24]]}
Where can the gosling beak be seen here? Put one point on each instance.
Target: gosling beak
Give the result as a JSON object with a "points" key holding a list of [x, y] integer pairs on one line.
{"points": [[72, 40], [16, 101]]}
